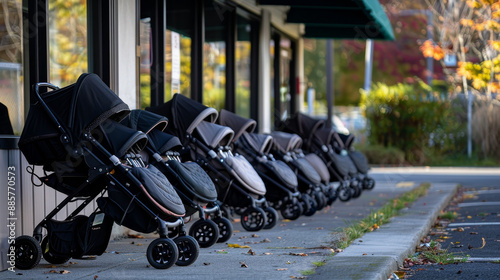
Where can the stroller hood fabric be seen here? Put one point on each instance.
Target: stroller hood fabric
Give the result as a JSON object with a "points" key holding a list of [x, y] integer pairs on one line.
{"points": [[260, 143], [163, 142], [122, 139], [237, 123], [145, 121], [214, 135], [184, 114], [286, 142], [79, 108]]}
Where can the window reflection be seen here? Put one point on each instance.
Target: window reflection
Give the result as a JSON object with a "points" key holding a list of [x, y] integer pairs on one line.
{"points": [[67, 41], [243, 60], [145, 62], [11, 74], [214, 56]]}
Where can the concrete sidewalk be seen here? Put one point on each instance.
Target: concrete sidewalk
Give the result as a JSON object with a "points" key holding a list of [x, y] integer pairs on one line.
{"points": [[379, 253], [289, 250]]}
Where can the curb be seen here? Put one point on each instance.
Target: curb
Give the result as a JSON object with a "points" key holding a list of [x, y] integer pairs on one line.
{"points": [[378, 254]]}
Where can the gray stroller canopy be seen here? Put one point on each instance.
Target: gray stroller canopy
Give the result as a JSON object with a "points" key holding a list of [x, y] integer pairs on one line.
{"points": [[286, 142], [239, 124], [213, 134], [260, 143]]}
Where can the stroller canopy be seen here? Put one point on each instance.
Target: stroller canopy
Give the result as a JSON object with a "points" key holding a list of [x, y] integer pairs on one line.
{"points": [[237, 123], [78, 108], [163, 142], [120, 139], [286, 142], [184, 114], [325, 135], [214, 135], [304, 125], [260, 143], [145, 121]]}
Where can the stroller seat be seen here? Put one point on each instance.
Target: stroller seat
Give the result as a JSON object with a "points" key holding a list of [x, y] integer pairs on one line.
{"points": [[284, 172], [246, 174], [197, 180], [319, 165], [162, 194]]}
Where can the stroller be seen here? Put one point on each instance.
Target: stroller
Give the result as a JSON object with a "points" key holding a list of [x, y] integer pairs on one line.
{"points": [[317, 140], [85, 152], [281, 182], [343, 143], [192, 184], [237, 183], [286, 146]]}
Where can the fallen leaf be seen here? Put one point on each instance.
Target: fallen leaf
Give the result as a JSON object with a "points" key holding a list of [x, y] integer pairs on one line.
{"points": [[281, 269], [286, 220], [338, 250], [268, 253], [469, 217], [266, 240], [255, 235], [206, 263], [95, 277], [135, 236], [251, 252], [365, 254], [237, 246], [473, 232], [319, 228], [243, 264], [298, 254]]}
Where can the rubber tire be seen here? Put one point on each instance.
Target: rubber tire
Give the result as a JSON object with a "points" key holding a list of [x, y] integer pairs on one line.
{"points": [[368, 183], [188, 249], [271, 217], [344, 193], [225, 229], [48, 256], [332, 196], [292, 210], [205, 232], [253, 219], [28, 252], [356, 190], [162, 253]]}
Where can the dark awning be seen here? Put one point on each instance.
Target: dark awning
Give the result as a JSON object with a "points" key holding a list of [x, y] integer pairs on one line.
{"points": [[335, 19]]}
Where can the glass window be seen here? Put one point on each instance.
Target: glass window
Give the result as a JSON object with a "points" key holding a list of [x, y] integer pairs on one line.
{"points": [[243, 60], [285, 60], [145, 62], [11, 74], [67, 41], [178, 48], [214, 56]]}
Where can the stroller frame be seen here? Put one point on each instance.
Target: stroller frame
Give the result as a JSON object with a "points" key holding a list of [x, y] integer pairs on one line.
{"points": [[162, 253]]}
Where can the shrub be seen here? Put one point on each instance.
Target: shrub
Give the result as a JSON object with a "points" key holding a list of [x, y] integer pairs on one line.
{"points": [[378, 154], [486, 128]]}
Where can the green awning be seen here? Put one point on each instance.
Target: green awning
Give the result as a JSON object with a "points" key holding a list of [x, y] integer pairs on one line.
{"points": [[338, 19]]}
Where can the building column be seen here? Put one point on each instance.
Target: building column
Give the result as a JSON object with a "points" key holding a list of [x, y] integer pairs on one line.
{"points": [[264, 100], [124, 47], [299, 79]]}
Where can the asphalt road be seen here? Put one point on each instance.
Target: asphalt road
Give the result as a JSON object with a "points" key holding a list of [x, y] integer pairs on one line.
{"points": [[474, 233]]}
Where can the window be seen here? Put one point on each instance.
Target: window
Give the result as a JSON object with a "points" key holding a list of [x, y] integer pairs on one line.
{"points": [[67, 41], [281, 77], [214, 55], [11, 73], [243, 60]]}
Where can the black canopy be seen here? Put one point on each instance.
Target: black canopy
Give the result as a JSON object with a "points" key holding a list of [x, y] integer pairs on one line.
{"points": [[78, 108], [184, 114], [145, 121]]}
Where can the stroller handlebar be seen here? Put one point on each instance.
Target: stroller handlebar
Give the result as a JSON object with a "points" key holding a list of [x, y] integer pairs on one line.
{"points": [[49, 85]]}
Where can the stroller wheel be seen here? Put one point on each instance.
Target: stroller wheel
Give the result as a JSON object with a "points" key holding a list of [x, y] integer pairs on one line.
{"points": [[188, 250], [332, 196], [253, 219], [28, 252], [162, 253], [313, 206], [205, 232], [320, 199], [307, 204], [292, 210], [47, 255], [355, 190], [344, 193], [368, 183], [272, 217], [225, 229]]}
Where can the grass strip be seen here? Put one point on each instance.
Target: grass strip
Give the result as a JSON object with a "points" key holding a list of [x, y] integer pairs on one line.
{"points": [[382, 216]]}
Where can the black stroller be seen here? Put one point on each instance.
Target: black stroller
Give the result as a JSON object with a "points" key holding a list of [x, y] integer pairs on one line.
{"points": [[281, 182], [343, 143], [74, 133], [286, 146], [237, 183], [192, 184], [317, 140]]}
